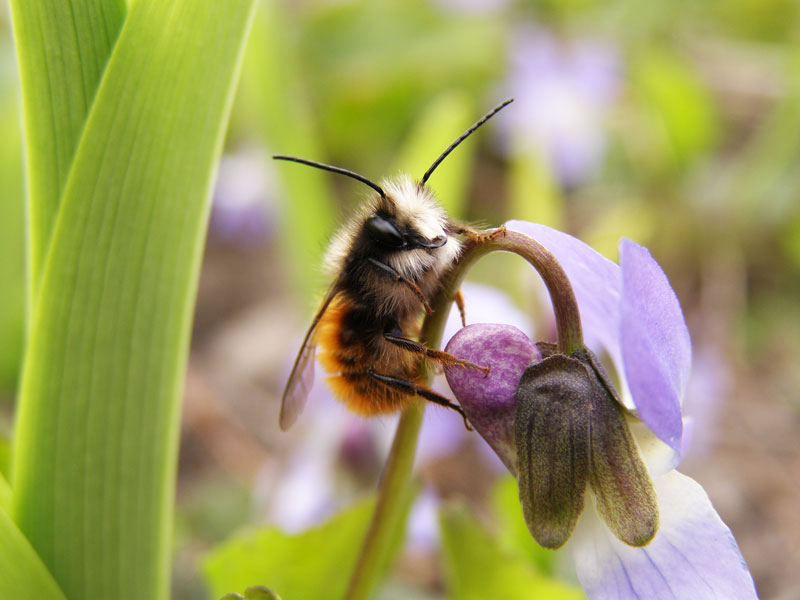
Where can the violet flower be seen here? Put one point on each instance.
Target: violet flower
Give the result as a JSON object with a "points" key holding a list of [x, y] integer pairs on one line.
{"points": [[592, 467], [244, 210], [564, 90]]}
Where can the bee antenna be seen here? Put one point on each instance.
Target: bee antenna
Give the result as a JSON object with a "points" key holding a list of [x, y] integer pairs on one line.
{"points": [[333, 169], [463, 136]]}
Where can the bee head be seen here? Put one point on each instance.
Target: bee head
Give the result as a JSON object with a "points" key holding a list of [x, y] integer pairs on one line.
{"points": [[407, 217]]}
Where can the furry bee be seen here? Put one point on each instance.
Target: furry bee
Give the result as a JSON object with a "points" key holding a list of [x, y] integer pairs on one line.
{"points": [[386, 264]]}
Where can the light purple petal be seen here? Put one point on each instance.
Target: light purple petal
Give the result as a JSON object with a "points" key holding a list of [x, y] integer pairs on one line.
{"points": [[597, 283], [694, 554], [656, 348]]}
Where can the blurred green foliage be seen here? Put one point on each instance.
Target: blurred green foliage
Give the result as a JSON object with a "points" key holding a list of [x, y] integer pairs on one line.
{"points": [[476, 567], [314, 564]]}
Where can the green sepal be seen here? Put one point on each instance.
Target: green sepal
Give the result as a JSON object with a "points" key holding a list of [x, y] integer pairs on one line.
{"points": [[570, 430], [551, 434], [624, 493]]}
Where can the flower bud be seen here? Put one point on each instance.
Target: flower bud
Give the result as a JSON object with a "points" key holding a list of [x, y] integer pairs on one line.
{"points": [[488, 401], [558, 425]]}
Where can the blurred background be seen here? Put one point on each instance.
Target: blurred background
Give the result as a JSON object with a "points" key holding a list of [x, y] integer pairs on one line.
{"points": [[676, 124]]}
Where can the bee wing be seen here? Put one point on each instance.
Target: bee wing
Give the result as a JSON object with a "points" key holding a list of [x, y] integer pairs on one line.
{"points": [[302, 377]]}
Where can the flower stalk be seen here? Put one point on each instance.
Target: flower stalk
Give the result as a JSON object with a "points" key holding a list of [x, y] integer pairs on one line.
{"points": [[397, 471]]}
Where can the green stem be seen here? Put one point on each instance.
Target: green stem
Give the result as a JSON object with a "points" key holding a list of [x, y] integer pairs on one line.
{"points": [[397, 472], [390, 506], [396, 478]]}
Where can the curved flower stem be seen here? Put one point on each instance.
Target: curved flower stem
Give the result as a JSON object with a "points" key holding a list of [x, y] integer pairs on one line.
{"points": [[397, 471], [565, 306]]}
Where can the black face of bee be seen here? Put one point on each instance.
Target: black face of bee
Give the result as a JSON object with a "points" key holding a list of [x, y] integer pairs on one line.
{"points": [[383, 230]]}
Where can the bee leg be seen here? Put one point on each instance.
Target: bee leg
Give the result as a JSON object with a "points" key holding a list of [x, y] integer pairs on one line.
{"points": [[398, 277], [459, 300], [475, 235], [440, 357], [408, 386]]}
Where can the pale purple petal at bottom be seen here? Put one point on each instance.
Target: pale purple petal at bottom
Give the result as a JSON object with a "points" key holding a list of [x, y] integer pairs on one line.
{"points": [[596, 281], [656, 348], [693, 555]]}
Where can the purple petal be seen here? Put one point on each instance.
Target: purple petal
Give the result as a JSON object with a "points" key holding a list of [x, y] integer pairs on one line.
{"points": [[597, 283], [656, 348], [489, 401], [694, 554]]}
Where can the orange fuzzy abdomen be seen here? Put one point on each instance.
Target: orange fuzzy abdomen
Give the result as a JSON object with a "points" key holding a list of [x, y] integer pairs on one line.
{"points": [[349, 362]]}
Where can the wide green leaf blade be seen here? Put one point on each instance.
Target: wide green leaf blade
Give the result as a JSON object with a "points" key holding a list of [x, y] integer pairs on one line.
{"points": [[5, 495], [22, 573], [62, 49], [313, 564], [97, 430], [476, 568], [12, 241]]}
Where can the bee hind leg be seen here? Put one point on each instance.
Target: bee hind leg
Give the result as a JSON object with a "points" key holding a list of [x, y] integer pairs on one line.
{"points": [[408, 386], [443, 358]]}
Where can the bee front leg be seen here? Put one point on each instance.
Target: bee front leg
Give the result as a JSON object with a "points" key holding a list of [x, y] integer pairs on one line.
{"points": [[398, 277], [443, 358], [476, 235]]}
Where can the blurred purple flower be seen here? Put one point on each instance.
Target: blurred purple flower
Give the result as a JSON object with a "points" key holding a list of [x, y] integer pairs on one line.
{"points": [[632, 313], [564, 91], [243, 209]]}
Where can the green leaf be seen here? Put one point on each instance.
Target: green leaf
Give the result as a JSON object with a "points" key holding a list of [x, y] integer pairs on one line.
{"points": [[314, 564], [512, 533], [444, 119], [476, 567], [253, 593], [12, 242], [22, 573], [5, 495], [98, 421], [271, 96], [62, 49], [683, 112], [534, 191]]}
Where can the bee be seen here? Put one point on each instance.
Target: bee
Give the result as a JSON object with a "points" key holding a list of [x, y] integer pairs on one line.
{"points": [[386, 263]]}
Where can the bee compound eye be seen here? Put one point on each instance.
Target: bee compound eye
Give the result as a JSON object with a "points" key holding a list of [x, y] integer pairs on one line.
{"points": [[383, 231]]}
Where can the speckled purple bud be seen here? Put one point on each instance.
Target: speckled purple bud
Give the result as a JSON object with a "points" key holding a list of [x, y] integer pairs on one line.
{"points": [[488, 401]]}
